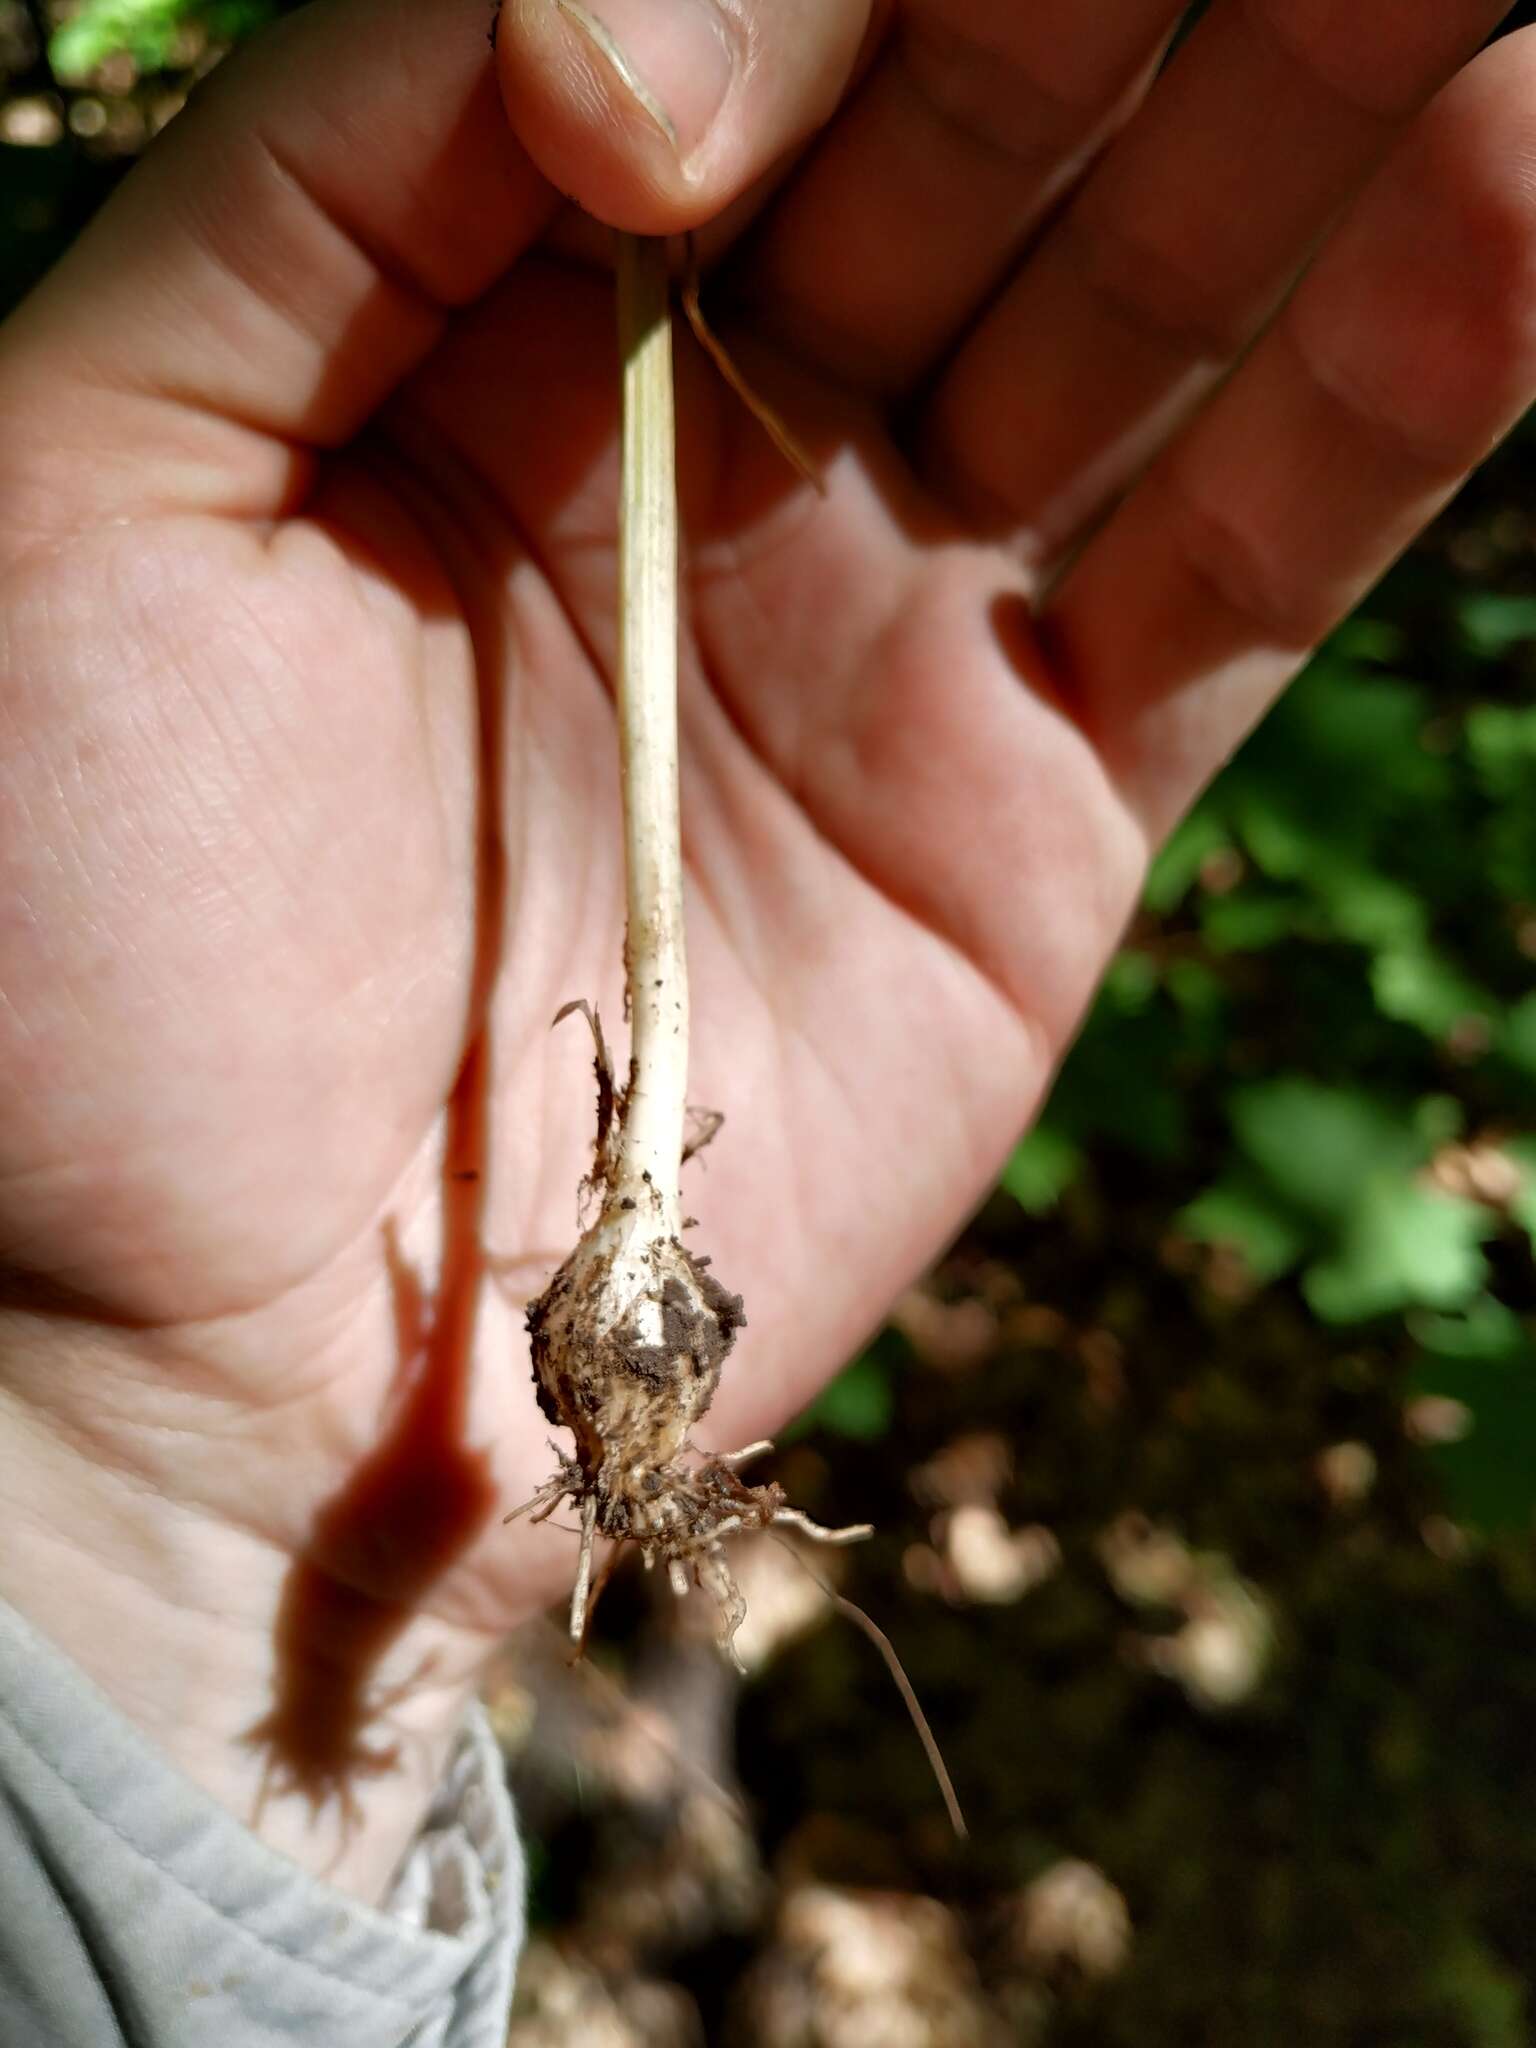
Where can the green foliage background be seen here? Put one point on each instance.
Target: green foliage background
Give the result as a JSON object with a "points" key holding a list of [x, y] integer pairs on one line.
{"points": [[1331, 987], [1286, 1187], [1288, 1178]]}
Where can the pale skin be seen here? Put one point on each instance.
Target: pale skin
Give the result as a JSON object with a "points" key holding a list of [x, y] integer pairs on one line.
{"points": [[307, 474]]}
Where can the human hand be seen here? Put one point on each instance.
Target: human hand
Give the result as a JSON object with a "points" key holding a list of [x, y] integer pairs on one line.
{"points": [[307, 475]]}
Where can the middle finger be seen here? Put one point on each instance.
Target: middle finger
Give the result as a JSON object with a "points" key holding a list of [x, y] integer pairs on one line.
{"points": [[975, 117]]}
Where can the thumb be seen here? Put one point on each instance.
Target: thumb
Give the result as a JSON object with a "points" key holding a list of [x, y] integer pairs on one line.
{"points": [[654, 114]]}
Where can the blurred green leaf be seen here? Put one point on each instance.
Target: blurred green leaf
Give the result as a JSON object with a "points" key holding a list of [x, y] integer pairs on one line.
{"points": [[1243, 1213], [1246, 923], [1330, 1170], [1485, 1328], [101, 28], [1501, 744], [1501, 741], [859, 1403], [1419, 986], [1401, 1245], [1197, 989], [1282, 841], [1365, 638], [1122, 1083], [1177, 868], [1522, 1207], [1043, 1166], [1491, 623], [146, 29], [1370, 909], [1517, 1035], [1131, 982], [1487, 1997], [1320, 1147], [1436, 1120]]}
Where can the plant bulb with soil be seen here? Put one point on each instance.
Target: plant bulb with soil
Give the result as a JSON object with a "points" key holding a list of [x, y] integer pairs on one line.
{"points": [[630, 1337]]}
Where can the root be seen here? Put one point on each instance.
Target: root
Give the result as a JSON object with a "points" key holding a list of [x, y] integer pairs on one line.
{"points": [[791, 1518], [583, 1570], [733, 1460], [566, 1484], [893, 1664]]}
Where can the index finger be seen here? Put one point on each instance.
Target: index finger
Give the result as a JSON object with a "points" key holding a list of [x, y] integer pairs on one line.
{"points": [[283, 256]]}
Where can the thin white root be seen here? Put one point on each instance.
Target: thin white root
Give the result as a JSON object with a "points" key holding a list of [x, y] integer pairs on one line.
{"points": [[583, 1569], [732, 1459], [716, 1578], [678, 1574], [792, 1518], [893, 1664], [547, 1498]]}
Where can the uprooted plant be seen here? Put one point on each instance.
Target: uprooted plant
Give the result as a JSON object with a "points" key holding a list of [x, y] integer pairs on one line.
{"points": [[630, 1336]]}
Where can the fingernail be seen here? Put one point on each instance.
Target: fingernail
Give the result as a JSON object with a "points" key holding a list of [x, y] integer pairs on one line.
{"points": [[674, 58]]}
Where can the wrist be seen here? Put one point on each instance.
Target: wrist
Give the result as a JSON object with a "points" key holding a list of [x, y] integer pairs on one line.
{"points": [[320, 1716]]}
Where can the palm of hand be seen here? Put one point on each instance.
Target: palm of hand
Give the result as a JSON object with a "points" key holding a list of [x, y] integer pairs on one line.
{"points": [[309, 802], [287, 894]]}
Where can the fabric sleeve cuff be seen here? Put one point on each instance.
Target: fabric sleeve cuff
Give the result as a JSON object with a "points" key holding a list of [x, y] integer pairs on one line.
{"points": [[172, 1923]]}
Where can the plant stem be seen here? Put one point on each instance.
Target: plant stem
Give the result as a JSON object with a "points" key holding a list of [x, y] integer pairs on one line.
{"points": [[650, 1143]]}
